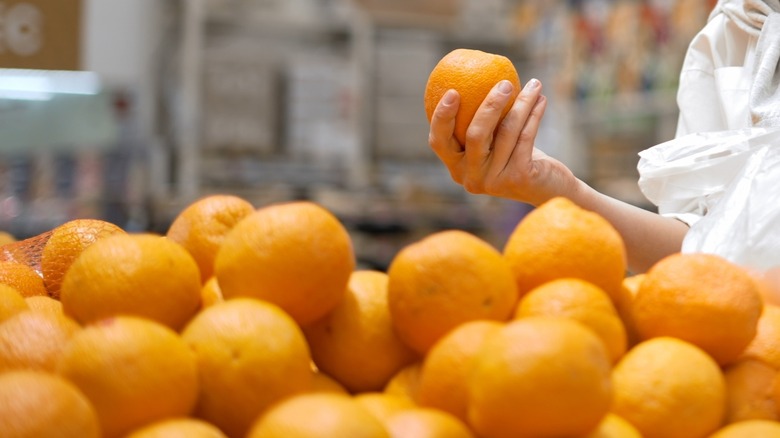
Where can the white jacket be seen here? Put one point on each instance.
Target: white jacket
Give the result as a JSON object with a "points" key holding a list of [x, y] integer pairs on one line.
{"points": [[721, 174]]}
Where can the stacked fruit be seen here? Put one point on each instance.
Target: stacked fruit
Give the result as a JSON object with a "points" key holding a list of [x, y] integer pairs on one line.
{"points": [[256, 322]]}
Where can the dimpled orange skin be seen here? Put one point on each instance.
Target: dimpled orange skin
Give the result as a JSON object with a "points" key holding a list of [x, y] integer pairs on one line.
{"points": [[473, 73], [669, 388], [700, 298], [297, 255], [446, 367], [446, 279], [202, 226], [355, 343], [22, 278], [133, 274], [38, 404], [559, 239], [539, 376], [250, 355], [65, 244], [134, 371]]}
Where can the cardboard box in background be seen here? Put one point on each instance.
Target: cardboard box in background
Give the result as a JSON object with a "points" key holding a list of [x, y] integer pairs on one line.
{"points": [[40, 34]]}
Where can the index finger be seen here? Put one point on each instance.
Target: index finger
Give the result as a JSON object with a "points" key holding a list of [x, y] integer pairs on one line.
{"points": [[441, 137]]}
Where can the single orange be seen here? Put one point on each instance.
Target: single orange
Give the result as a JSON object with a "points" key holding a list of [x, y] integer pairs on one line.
{"points": [[700, 298], [426, 423], [178, 428], [134, 371], [765, 345], [444, 280], [559, 239], [11, 302], [446, 367], [749, 391], [355, 343], [472, 73], [624, 304], [133, 274], [322, 382], [776, 393], [40, 303], [66, 242], [297, 255], [382, 405], [317, 415], [37, 404], [202, 226], [580, 301], [405, 383], [749, 429], [612, 426], [669, 388], [210, 293], [539, 376], [34, 340], [250, 356], [22, 278]]}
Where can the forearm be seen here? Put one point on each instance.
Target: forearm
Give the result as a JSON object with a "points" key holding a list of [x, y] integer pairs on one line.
{"points": [[648, 236]]}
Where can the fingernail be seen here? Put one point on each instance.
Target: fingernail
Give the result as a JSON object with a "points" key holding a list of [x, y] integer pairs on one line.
{"points": [[448, 98], [533, 84], [505, 87]]}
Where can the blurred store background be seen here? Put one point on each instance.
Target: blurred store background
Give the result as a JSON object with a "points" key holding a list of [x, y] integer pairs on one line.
{"points": [[129, 110]]}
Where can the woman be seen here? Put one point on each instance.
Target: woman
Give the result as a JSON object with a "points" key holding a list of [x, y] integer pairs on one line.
{"points": [[729, 80]]}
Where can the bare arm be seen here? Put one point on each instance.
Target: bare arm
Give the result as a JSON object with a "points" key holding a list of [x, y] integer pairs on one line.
{"points": [[501, 160], [648, 236]]}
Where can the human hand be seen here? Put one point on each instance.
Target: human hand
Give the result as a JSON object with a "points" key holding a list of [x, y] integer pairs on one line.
{"points": [[499, 157]]}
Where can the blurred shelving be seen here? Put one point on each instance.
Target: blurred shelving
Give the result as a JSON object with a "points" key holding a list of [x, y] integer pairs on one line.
{"points": [[322, 99]]}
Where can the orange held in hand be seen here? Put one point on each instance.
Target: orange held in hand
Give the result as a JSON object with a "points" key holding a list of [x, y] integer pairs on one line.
{"points": [[473, 73]]}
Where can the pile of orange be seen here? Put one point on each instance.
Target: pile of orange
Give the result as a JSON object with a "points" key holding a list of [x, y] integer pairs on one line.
{"points": [[245, 321], [121, 334]]}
